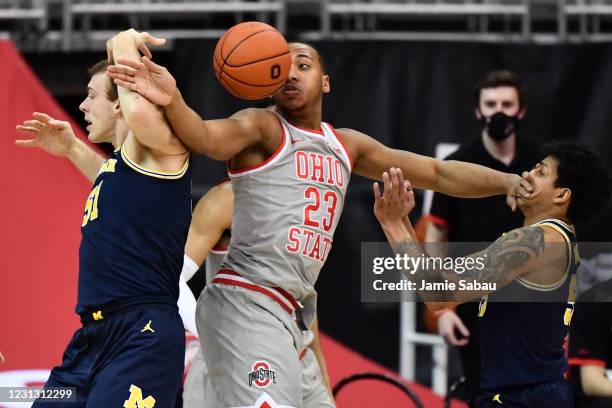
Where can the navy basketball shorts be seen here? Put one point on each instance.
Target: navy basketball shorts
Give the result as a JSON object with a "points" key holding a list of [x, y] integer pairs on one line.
{"points": [[133, 358], [551, 394]]}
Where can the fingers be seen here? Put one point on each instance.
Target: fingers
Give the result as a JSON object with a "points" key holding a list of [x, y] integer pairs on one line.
{"points": [[461, 327], [43, 117], [512, 202], [59, 124], [153, 40], [2, 360], [145, 50], [36, 124], [122, 65], [121, 77], [377, 196], [26, 143], [395, 185], [27, 130], [153, 67], [125, 84], [387, 185]]}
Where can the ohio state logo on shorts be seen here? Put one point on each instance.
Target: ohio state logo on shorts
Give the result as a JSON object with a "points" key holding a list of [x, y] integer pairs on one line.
{"points": [[262, 375]]}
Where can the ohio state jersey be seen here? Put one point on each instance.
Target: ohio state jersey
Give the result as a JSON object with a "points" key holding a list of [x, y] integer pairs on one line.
{"points": [[286, 211]]}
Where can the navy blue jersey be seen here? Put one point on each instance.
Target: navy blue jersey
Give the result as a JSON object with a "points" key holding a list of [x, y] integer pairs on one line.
{"points": [[133, 234], [522, 342]]}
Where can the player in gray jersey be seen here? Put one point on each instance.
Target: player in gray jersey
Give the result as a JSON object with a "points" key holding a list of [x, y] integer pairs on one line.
{"points": [[289, 174], [209, 237]]}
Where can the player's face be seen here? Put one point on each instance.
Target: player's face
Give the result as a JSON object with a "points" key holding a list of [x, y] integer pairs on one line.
{"points": [[99, 110], [545, 194], [503, 99], [306, 82]]}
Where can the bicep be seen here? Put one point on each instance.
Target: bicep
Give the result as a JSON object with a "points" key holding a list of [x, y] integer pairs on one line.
{"points": [[230, 136]]}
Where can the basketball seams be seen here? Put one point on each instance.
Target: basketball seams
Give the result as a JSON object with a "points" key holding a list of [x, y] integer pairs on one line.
{"points": [[260, 60], [237, 45], [249, 84]]}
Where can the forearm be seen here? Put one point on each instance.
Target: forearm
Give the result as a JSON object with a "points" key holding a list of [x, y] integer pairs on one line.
{"points": [[462, 179], [85, 159], [187, 125]]}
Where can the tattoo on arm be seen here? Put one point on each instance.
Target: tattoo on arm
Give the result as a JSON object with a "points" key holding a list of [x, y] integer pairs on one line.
{"points": [[510, 255]]}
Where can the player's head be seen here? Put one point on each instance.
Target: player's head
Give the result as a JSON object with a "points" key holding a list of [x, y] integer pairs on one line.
{"points": [[572, 182], [101, 106], [499, 103], [307, 80]]}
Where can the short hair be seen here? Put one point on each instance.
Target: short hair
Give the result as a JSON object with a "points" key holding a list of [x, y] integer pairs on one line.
{"points": [[586, 174], [496, 79], [100, 68]]}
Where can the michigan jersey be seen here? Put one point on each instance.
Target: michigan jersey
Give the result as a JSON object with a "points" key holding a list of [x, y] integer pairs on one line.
{"points": [[522, 342], [134, 230]]}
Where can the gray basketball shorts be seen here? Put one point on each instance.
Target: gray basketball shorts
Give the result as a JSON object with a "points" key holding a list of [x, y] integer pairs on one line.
{"points": [[254, 350]]}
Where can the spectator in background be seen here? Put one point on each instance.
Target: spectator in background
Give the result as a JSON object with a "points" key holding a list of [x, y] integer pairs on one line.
{"points": [[591, 348], [500, 105]]}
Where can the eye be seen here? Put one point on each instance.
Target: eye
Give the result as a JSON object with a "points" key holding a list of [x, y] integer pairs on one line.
{"points": [[304, 66], [490, 104]]}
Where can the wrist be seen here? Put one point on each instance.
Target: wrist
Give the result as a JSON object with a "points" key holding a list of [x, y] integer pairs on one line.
{"points": [[511, 181], [74, 149], [395, 230]]}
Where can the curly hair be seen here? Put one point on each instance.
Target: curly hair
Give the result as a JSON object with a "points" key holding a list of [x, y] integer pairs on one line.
{"points": [[586, 174]]}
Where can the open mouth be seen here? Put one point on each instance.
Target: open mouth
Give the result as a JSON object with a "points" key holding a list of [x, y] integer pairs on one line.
{"points": [[88, 127]]}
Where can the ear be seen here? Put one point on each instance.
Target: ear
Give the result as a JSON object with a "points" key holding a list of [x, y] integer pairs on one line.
{"points": [[117, 109], [326, 85], [522, 113], [477, 113], [562, 196]]}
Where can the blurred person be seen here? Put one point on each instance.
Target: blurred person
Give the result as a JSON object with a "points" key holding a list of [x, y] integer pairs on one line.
{"points": [[130, 350], [290, 172], [499, 101], [523, 358]]}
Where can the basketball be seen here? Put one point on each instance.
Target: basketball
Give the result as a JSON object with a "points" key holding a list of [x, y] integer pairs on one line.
{"points": [[252, 60]]}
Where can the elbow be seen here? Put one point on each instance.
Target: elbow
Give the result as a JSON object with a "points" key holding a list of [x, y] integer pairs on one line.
{"points": [[137, 112]]}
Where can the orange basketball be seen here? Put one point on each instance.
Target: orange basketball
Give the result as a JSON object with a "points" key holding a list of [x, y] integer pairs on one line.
{"points": [[252, 60]]}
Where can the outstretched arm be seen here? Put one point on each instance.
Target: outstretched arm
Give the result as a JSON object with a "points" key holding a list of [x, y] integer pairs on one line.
{"points": [[455, 178], [57, 138], [518, 252], [220, 139]]}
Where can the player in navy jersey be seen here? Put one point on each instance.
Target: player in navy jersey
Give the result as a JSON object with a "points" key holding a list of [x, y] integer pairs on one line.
{"points": [[523, 359], [130, 350]]}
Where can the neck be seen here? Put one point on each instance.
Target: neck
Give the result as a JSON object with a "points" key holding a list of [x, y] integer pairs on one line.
{"points": [[503, 150], [121, 131], [535, 217], [308, 118]]}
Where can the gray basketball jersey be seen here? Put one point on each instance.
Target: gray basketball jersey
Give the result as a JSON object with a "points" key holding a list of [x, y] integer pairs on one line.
{"points": [[286, 211], [213, 262]]}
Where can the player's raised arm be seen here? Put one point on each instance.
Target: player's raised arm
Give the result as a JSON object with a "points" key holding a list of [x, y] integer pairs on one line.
{"points": [[517, 252], [455, 178], [219, 139], [145, 119], [57, 138]]}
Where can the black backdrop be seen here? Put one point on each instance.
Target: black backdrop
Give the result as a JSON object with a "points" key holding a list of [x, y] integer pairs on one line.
{"points": [[407, 95], [413, 96]]}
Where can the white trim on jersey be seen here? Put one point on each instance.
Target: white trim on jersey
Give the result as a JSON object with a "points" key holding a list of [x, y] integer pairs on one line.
{"points": [[347, 157], [276, 156]]}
